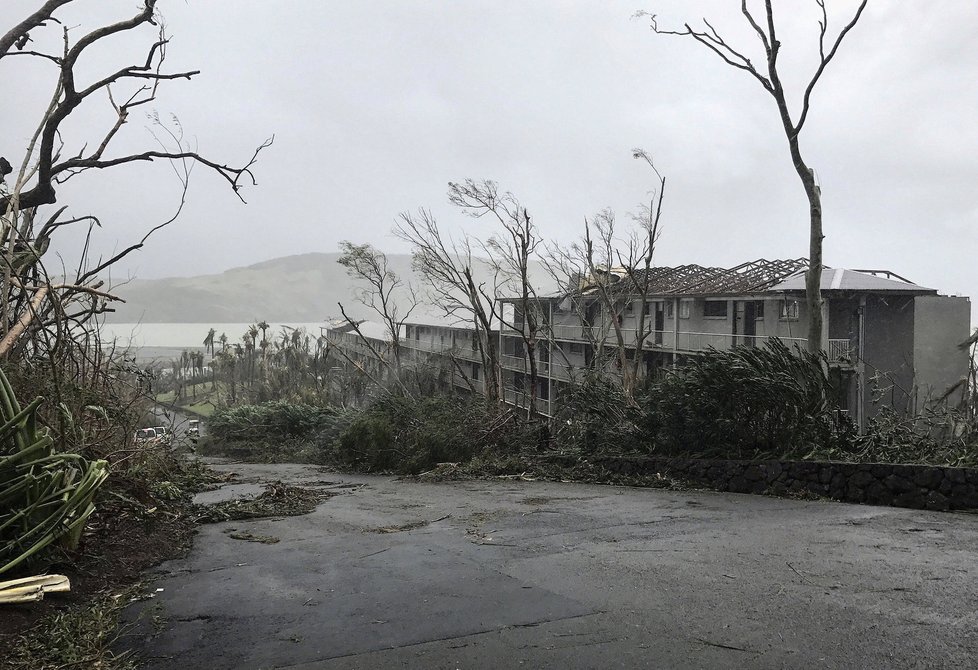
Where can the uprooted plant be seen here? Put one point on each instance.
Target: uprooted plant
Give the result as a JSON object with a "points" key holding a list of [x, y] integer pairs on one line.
{"points": [[45, 496]]}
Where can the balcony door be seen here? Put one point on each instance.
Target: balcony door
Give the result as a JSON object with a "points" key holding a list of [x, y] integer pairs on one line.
{"points": [[745, 323], [660, 322]]}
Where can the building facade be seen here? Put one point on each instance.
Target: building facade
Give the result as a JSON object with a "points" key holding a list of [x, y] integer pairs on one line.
{"points": [[889, 342]]}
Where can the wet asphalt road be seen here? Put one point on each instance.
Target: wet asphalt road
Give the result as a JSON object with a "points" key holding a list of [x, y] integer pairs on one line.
{"points": [[510, 574]]}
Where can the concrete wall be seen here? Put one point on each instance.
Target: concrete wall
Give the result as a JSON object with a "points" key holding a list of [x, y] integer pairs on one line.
{"points": [[915, 486], [941, 323]]}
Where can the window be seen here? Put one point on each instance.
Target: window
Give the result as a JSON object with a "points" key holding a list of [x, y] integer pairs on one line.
{"points": [[789, 310], [669, 309], [475, 372], [759, 309], [684, 308], [715, 309], [543, 389], [577, 348]]}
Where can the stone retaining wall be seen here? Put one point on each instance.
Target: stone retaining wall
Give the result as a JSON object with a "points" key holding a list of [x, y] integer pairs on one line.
{"points": [[916, 486]]}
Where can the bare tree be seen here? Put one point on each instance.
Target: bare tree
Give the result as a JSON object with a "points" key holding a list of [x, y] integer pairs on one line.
{"points": [[770, 80], [511, 251], [31, 302], [618, 273], [385, 293], [446, 267]]}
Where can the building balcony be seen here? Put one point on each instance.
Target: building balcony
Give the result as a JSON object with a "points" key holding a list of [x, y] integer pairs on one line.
{"points": [[839, 351], [478, 385], [549, 369], [465, 353]]}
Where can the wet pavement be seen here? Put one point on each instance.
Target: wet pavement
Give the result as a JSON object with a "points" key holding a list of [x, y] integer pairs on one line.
{"points": [[505, 574]]}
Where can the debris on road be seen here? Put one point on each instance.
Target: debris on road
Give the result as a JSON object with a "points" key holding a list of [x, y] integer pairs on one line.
{"points": [[279, 499], [235, 534], [413, 525]]}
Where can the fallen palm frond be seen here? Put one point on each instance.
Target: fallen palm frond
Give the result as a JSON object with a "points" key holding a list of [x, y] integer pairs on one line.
{"points": [[32, 588], [45, 496]]}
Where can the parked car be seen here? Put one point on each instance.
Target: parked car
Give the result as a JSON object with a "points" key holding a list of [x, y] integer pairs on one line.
{"points": [[193, 429], [146, 435]]}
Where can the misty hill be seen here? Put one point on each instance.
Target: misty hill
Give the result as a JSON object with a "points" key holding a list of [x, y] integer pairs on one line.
{"points": [[302, 288]]}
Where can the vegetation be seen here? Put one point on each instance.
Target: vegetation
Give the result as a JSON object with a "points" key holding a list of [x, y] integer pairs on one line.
{"points": [[411, 435], [81, 638], [277, 499], [45, 497], [747, 403], [768, 402], [76, 491], [271, 420]]}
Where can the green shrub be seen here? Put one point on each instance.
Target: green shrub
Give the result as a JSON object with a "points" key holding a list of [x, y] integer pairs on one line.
{"points": [[595, 416], [409, 435], [367, 443], [269, 420], [746, 403], [45, 496]]}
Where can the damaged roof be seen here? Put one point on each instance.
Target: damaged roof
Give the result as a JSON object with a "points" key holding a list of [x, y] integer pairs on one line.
{"points": [[750, 277], [760, 276]]}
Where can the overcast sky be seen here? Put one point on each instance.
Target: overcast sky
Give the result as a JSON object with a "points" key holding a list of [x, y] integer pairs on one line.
{"points": [[375, 106]]}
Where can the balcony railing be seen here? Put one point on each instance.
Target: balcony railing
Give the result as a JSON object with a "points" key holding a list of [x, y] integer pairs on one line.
{"points": [[839, 350], [465, 353], [551, 369], [842, 351], [478, 385], [522, 400]]}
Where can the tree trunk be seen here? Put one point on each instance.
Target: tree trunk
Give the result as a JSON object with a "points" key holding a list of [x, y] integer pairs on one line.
{"points": [[813, 293], [813, 279]]}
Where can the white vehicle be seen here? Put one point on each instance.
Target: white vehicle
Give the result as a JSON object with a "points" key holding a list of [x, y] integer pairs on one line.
{"points": [[193, 429], [146, 435]]}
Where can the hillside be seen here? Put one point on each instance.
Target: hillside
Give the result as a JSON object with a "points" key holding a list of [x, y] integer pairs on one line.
{"points": [[301, 288]]}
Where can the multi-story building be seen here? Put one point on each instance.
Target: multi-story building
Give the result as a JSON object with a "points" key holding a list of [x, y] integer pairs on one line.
{"points": [[888, 341], [451, 351], [879, 330], [454, 349]]}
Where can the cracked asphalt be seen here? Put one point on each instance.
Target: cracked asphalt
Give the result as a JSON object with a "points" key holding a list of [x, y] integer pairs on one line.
{"points": [[507, 574]]}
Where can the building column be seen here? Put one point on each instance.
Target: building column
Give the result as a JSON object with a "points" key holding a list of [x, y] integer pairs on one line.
{"points": [[675, 332]]}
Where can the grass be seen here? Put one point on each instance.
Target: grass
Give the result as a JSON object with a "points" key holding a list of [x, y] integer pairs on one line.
{"points": [[205, 409], [204, 404]]}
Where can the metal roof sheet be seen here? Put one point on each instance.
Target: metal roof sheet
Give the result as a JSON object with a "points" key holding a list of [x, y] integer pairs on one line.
{"points": [[839, 279]]}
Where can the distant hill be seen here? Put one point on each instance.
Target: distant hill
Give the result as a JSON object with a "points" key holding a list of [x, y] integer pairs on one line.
{"points": [[302, 288]]}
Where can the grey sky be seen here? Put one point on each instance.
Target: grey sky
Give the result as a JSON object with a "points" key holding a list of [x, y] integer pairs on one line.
{"points": [[377, 105]]}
